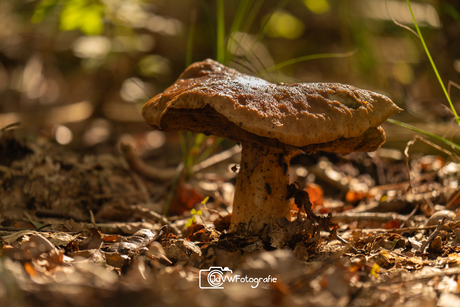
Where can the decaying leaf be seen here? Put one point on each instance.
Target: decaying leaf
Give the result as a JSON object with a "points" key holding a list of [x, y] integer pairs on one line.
{"points": [[179, 250]]}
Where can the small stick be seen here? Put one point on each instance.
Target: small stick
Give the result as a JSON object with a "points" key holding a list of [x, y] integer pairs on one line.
{"points": [[156, 217], [143, 168], [335, 235], [373, 216], [451, 201], [227, 154], [399, 230], [10, 126], [118, 195], [433, 235], [410, 215]]}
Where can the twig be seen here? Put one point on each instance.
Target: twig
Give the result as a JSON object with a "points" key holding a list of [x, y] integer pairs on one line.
{"points": [[410, 215], [452, 199], [118, 195], [345, 242], [10, 126], [217, 158], [156, 217], [16, 229], [425, 276], [433, 235], [373, 216], [143, 168], [388, 187], [401, 185], [406, 153], [435, 146], [141, 185], [395, 230]]}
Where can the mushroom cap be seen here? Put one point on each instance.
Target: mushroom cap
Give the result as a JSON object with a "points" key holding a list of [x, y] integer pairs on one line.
{"points": [[213, 99]]}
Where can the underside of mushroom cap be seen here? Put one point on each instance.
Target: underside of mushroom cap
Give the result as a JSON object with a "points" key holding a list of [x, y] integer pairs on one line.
{"points": [[213, 99], [210, 122]]}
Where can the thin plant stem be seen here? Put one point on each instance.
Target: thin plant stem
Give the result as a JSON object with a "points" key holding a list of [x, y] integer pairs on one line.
{"points": [[308, 58], [437, 137], [220, 31], [241, 13], [432, 63], [173, 188], [191, 34]]}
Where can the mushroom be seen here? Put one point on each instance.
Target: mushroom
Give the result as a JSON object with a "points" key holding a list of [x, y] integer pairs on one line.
{"points": [[269, 121]]}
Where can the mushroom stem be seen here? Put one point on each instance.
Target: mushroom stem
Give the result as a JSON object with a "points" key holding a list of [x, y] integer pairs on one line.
{"points": [[261, 187]]}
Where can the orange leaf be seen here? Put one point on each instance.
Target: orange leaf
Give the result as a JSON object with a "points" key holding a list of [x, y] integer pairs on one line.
{"points": [[315, 192], [393, 224], [185, 198], [30, 269]]}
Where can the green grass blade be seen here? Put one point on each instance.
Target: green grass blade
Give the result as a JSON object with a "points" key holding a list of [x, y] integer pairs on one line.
{"points": [[240, 14], [220, 56], [191, 35], [171, 192], [418, 130], [450, 9], [249, 20], [208, 150], [432, 63], [307, 58], [183, 143], [211, 22]]}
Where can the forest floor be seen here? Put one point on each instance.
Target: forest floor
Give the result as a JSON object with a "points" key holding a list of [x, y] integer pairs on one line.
{"points": [[87, 230]]}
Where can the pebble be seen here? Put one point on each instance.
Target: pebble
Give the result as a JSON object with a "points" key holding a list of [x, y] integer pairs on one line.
{"points": [[433, 220]]}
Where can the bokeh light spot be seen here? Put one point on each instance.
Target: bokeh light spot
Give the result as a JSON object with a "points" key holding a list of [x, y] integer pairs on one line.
{"points": [[155, 139], [317, 6], [403, 72], [92, 46], [284, 25], [63, 135]]}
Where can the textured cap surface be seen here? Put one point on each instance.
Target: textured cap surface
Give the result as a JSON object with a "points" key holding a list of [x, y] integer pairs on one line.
{"points": [[209, 97]]}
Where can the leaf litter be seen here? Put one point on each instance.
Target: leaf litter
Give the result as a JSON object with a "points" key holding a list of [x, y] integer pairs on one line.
{"points": [[84, 230]]}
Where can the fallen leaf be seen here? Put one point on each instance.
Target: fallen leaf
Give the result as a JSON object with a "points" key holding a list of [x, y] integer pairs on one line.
{"points": [[185, 198]]}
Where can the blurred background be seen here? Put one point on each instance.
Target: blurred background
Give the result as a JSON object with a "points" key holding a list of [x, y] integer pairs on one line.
{"points": [[79, 71]]}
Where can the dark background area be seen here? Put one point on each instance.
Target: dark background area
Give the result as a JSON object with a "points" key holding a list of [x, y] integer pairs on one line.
{"points": [[78, 71]]}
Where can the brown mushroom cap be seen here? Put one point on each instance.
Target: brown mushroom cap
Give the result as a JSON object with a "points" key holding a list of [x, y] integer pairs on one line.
{"points": [[221, 101], [269, 120]]}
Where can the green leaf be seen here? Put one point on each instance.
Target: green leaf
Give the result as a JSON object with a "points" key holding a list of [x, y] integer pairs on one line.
{"points": [[84, 15], [190, 221], [204, 201], [93, 22]]}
